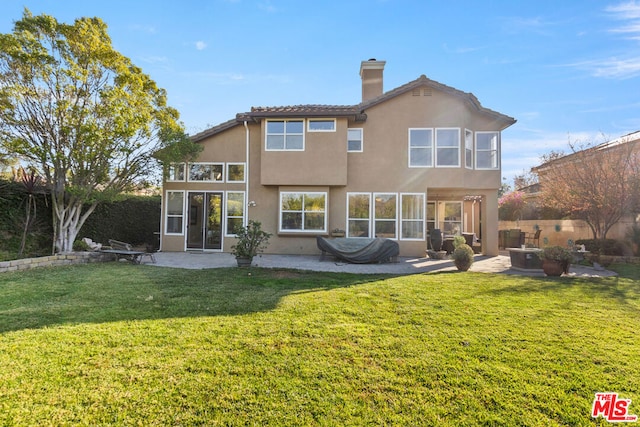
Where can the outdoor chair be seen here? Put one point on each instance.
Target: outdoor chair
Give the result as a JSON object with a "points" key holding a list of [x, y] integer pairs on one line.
{"points": [[533, 239]]}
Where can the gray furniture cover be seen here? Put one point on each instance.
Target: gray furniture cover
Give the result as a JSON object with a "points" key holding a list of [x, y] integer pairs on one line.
{"points": [[359, 251]]}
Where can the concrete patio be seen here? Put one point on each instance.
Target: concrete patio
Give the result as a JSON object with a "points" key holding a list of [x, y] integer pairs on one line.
{"points": [[484, 264]]}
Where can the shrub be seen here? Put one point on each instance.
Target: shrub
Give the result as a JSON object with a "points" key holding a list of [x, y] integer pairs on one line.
{"points": [[463, 257], [603, 246], [80, 246]]}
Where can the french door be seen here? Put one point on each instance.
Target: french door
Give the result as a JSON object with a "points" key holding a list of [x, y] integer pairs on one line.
{"points": [[204, 229]]}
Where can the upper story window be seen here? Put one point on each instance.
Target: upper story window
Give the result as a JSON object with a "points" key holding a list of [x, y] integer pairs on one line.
{"points": [[206, 172], [321, 125], [354, 140], [420, 147], [447, 147], [176, 172], [468, 149], [487, 150], [285, 135], [235, 172]]}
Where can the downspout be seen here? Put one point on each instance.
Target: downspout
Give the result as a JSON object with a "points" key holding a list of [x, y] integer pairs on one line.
{"points": [[246, 174]]}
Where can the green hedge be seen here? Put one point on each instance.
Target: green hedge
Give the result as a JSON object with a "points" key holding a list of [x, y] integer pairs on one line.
{"points": [[603, 246], [133, 219]]}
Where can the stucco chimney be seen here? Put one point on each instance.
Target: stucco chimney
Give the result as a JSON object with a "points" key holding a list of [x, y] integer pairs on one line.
{"points": [[371, 74]]}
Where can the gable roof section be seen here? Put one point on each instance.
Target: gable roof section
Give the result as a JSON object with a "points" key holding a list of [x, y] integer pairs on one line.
{"points": [[422, 81], [356, 112]]}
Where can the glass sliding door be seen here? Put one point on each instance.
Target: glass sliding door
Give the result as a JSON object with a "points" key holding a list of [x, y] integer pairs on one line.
{"points": [[204, 230]]}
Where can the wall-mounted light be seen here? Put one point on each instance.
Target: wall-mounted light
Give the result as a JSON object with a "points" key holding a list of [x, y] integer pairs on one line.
{"points": [[251, 204]]}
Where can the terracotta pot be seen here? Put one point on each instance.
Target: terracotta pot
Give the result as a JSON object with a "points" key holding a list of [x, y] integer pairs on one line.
{"points": [[552, 268]]}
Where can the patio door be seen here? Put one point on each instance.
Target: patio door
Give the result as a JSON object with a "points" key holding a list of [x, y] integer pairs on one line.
{"points": [[204, 230]]}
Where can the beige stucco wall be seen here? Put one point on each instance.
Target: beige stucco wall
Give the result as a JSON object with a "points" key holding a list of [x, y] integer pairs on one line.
{"points": [[325, 165]]}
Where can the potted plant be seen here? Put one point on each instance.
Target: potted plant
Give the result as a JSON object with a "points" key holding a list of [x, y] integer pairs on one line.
{"points": [[555, 260], [252, 240], [463, 256]]}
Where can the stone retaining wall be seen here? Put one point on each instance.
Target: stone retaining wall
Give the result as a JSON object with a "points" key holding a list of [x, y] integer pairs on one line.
{"points": [[53, 260]]}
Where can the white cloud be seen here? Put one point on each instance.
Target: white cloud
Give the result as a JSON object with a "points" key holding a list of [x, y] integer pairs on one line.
{"points": [[200, 45], [629, 13], [614, 68]]}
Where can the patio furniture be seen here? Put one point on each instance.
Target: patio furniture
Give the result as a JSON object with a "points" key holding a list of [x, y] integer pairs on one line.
{"points": [[533, 239], [359, 251], [122, 250]]}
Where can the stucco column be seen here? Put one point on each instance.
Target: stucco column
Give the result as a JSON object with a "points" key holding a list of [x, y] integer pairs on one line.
{"points": [[490, 226]]}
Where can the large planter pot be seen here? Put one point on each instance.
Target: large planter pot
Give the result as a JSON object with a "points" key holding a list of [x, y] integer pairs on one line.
{"points": [[553, 268], [244, 261], [436, 239]]}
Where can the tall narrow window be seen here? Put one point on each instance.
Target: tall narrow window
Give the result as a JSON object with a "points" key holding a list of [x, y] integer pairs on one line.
{"points": [[235, 210], [412, 217], [448, 147], [385, 215], [176, 172], [303, 211], [174, 220], [359, 215], [431, 216], [452, 218], [354, 140], [285, 135], [420, 147], [487, 150], [468, 149]]}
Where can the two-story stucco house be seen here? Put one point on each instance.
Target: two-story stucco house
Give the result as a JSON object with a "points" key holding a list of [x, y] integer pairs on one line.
{"points": [[399, 163]]}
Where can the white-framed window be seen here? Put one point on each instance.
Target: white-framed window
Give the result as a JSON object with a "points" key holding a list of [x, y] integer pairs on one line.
{"points": [[447, 147], [285, 135], [355, 140], [176, 172], [420, 147], [303, 211], [412, 218], [452, 218], [468, 149], [321, 125], [431, 216], [174, 212], [487, 150], [206, 172], [235, 172], [358, 214], [385, 218], [235, 209]]}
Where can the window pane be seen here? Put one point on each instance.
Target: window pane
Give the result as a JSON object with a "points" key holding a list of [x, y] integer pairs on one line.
{"points": [[294, 142], [292, 220], [275, 142], [292, 202], [487, 159], [175, 203], [295, 126], [412, 230], [232, 223], [275, 127], [235, 204], [421, 157], [354, 140], [412, 206], [448, 137], [314, 203], [324, 125], [314, 221], [447, 157], [359, 228], [174, 224], [235, 173], [354, 146], [420, 137], [359, 206], [385, 206], [487, 141], [385, 229]]}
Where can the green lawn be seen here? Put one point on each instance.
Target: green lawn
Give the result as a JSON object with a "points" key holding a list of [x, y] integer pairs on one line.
{"points": [[116, 344]]}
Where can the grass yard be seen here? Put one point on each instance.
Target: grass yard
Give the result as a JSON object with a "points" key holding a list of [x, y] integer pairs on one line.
{"points": [[114, 344]]}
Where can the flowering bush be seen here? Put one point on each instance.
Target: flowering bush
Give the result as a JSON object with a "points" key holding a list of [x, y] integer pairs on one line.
{"points": [[510, 205]]}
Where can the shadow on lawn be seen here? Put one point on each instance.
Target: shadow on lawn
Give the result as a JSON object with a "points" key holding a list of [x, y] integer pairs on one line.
{"points": [[101, 293]]}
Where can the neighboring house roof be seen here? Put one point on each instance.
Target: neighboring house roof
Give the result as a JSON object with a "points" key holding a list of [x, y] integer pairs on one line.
{"points": [[633, 137], [357, 112]]}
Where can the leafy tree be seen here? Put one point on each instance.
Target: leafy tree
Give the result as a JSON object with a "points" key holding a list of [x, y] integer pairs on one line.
{"points": [[510, 206], [596, 183], [82, 115]]}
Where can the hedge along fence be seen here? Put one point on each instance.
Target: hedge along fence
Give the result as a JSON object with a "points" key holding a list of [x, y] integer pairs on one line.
{"points": [[134, 219]]}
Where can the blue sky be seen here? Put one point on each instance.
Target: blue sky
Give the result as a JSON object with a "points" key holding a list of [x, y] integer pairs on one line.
{"points": [[566, 69]]}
